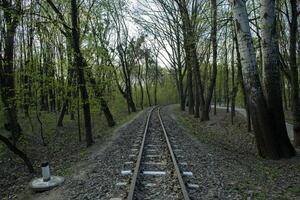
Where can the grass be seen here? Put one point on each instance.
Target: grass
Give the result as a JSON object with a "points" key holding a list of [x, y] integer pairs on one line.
{"points": [[293, 190], [31, 127]]}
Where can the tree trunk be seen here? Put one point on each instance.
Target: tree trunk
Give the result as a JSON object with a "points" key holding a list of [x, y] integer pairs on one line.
{"points": [[205, 111], [148, 95], [294, 72], [141, 87], [79, 63], [180, 72], [259, 37], [18, 152], [269, 145], [234, 85], [70, 82], [28, 68], [226, 79], [241, 81], [188, 42], [156, 80], [50, 76], [99, 94], [108, 115], [146, 78], [7, 71], [190, 91], [181, 93], [197, 90], [199, 99], [272, 81], [127, 92], [130, 99]]}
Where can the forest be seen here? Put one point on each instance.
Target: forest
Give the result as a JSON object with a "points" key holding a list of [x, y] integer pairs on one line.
{"points": [[73, 72]]}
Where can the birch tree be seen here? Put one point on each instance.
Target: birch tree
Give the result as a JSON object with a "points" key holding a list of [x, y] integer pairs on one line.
{"points": [[267, 138], [294, 71]]}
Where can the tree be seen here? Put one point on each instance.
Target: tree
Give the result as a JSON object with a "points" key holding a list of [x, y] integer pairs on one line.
{"points": [[294, 71], [12, 13], [126, 66], [165, 27], [206, 103], [7, 71], [71, 78], [125, 49], [80, 66], [99, 88], [272, 76], [192, 64], [267, 137]]}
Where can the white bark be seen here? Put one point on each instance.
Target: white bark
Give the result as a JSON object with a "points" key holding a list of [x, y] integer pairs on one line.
{"points": [[246, 47], [268, 25], [271, 140], [269, 45]]}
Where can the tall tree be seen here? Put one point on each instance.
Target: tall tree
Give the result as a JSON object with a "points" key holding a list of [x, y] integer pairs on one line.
{"points": [[126, 63], [294, 71], [147, 65], [12, 14], [80, 66], [190, 47], [267, 138], [71, 78], [272, 77], [206, 104]]}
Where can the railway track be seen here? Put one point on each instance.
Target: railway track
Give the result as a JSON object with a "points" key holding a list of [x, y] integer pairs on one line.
{"points": [[153, 171]]}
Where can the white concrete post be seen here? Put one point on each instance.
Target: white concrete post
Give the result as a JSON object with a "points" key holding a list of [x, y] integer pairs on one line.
{"points": [[46, 172]]}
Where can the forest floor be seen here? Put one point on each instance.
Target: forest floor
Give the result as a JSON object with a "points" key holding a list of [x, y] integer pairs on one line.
{"points": [[222, 157], [63, 149], [235, 161], [95, 176], [288, 119]]}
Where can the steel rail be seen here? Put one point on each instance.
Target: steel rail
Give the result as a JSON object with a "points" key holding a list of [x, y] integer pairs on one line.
{"points": [[180, 179], [138, 162]]}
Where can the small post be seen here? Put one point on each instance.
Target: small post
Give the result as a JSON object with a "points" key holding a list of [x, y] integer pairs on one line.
{"points": [[46, 171]]}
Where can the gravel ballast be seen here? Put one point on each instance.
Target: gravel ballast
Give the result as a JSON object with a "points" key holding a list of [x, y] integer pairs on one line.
{"points": [[227, 173], [97, 176], [213, 169]]}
